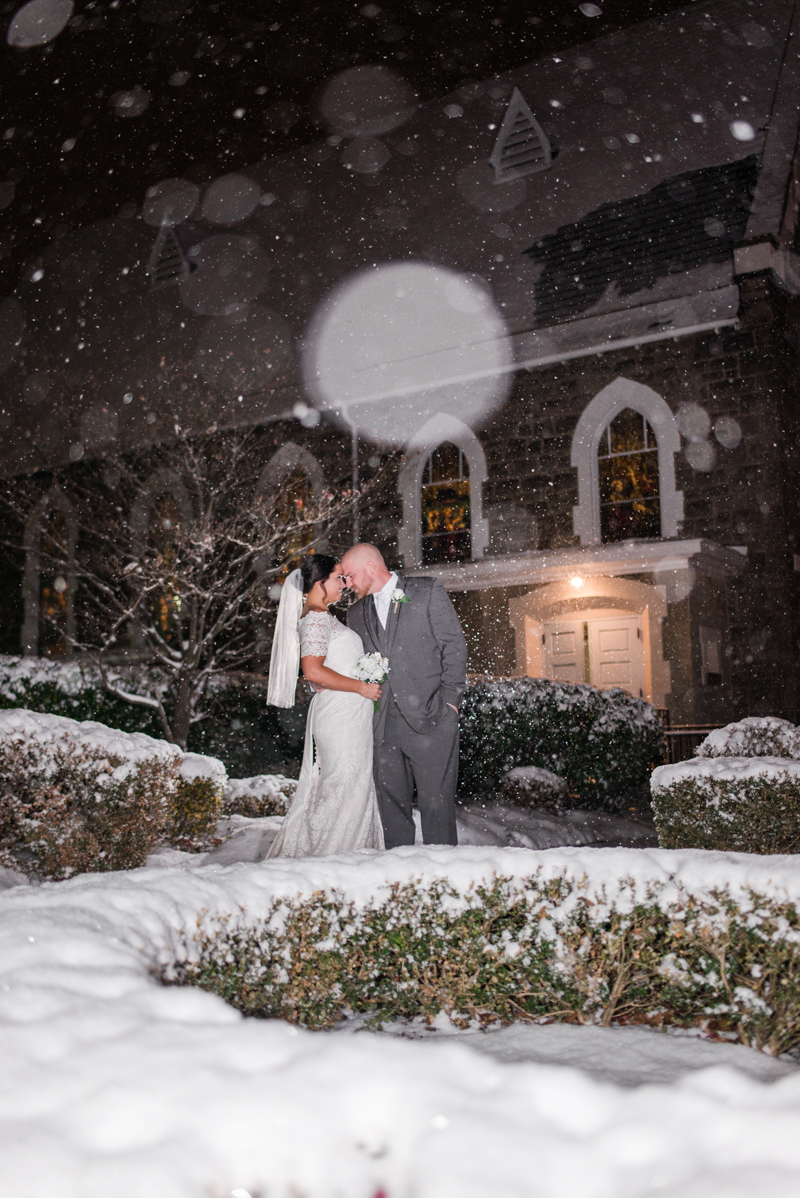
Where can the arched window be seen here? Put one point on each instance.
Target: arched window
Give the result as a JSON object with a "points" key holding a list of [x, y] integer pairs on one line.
{"points": [[628, 477], [162, 506], [445, 502], [165, 607], [624, 449], [294, 476], [441, 485], [50, 537]]}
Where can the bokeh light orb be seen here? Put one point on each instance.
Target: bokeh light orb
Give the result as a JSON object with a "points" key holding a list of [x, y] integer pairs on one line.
{"points": [[38, 22], [130, 103], [366, 102], [728, 432], [693, 421], [230, 199], [701, 455], [394, 345], [170, 200]]}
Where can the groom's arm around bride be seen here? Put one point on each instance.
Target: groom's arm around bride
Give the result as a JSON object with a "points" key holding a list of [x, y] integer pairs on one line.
{"points": [[416, 728]]}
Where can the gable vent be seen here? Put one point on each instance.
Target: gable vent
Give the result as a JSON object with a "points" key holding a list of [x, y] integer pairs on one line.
{"points": [[168, 263], [522, 147]]}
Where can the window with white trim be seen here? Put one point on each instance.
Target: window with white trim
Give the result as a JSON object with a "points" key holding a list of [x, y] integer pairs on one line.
{"points": [[628, 476], [50, 539], [445, 503]]}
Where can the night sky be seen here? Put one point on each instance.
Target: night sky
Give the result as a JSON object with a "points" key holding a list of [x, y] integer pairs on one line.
{"points": [[226, 85]]}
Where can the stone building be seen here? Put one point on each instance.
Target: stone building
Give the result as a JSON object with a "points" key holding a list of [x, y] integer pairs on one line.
{"points": [[567, 294]]}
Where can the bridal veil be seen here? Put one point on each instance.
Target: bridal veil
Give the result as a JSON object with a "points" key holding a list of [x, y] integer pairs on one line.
{"points": [[284, 663]]}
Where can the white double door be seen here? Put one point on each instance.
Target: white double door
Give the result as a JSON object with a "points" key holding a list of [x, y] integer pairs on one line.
{"points": [[603, 651]]}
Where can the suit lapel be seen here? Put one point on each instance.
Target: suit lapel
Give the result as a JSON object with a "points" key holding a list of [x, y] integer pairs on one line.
{"points": [[371, 623], [394, 616]]}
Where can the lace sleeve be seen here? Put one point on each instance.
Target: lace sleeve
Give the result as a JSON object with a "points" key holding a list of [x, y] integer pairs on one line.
{"points": [[315, 632]]}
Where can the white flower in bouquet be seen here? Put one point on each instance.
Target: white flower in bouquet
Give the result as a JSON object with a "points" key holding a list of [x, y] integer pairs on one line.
{"points": [[372, 667]]}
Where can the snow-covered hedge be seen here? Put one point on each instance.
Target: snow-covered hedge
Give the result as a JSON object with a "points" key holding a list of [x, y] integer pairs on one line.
{"points": [[755, 736], [264, 794], [638, 936], [739, 804], [250, 737], [75, 690], [78, 796], [603, 743], [530, 785], [197, 804], [114, 1085]]}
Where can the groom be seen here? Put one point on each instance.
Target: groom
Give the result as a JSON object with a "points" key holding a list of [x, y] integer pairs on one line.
{"points": [[413, 623]]}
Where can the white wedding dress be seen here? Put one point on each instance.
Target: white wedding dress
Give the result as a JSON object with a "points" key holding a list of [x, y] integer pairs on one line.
{"points": [[335, 807]]}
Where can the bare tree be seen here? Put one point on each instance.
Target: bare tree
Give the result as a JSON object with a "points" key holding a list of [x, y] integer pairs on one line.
{"points": [[184, 575]]}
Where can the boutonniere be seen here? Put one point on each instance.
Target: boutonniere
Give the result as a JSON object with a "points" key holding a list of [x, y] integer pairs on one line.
{"points": [[398, 597]]}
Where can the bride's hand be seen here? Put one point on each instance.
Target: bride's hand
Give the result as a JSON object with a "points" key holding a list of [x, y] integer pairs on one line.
{"points": [[371, 690]]}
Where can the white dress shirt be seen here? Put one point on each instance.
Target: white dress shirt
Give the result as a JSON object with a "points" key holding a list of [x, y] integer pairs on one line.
{"points": [[383, 599]]}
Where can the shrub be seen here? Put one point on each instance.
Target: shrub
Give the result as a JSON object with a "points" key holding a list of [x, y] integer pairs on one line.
{"points": [[77, 796], [737, 804], [266, 794], [74, 690], [197, 803], [756, 736], [532, 947], [248, 736], [80, 798], [531, 786], [603, 743]]}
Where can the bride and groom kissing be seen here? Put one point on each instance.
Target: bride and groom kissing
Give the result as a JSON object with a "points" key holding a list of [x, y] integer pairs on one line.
{"points": [[369, 745]]}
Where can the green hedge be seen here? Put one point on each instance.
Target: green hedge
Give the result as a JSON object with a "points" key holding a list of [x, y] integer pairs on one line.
{"points": [[241, 730], [67, 809], [514, 948], [603, 743], [756, 813]]}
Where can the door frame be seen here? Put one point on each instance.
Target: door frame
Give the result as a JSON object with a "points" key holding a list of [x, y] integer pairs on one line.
{"points": [[564, 600]]}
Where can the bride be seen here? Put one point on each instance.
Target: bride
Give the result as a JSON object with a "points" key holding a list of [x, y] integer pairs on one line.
{"points": [[335, 808]]}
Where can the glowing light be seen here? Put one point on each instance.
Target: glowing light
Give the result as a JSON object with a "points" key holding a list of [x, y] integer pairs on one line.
{"points": [[577, 582]]}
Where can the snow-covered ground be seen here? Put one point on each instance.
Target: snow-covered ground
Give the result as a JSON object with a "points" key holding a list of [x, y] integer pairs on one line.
{"points": [[114, 1085], [479, 824]]}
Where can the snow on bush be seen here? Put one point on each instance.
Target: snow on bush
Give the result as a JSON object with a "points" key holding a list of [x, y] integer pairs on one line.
{"points": [[197, 804], [739, 804], [75, 689], [114, 1085], [483, 934], [756, 736], [265, 794], [530, 785], [78, 796], [603, 743]]}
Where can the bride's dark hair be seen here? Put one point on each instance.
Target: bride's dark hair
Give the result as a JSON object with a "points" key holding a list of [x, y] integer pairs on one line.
{"points": [[317, 567]]}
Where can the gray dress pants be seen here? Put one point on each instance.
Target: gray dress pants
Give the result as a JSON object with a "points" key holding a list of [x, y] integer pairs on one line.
{"points": [[428, 760]]}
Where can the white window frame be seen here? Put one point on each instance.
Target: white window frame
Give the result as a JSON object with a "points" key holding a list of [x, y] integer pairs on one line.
{"points": [[284, 462], [624, 393], [53, 500], [435, 432]]}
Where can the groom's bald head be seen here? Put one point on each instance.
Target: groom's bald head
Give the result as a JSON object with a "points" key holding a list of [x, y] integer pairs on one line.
{"points": [[364, 569]]}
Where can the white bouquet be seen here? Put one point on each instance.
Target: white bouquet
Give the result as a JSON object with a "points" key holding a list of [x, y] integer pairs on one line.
{"points": [[371, 667]]}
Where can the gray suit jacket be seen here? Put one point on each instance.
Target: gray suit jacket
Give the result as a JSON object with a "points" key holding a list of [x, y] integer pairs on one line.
{"points": [[426, 650]]}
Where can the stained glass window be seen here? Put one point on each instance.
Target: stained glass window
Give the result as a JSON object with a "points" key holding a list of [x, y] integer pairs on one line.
{"points": [[446, 527], [165, 606], [628, 468], [54, 599], [295, 498]]}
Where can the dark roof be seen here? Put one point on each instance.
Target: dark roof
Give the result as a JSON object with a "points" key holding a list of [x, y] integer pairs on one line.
{"points": [[686, 221]]}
